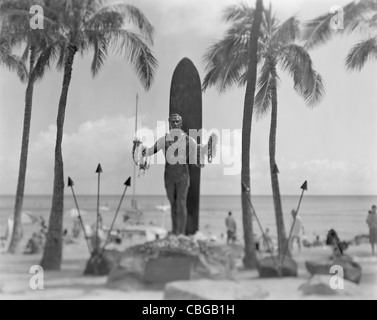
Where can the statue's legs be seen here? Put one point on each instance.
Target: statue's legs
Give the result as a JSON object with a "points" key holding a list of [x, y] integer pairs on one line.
{"points": [[177, 195]]}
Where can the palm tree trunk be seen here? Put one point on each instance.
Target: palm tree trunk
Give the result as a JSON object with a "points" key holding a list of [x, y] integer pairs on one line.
{"points": [[282, 237], [250, 259], [53, 253], [17, 227]]}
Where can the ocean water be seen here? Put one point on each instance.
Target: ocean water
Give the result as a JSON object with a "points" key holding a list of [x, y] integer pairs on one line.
{"points": [[347, 214]]}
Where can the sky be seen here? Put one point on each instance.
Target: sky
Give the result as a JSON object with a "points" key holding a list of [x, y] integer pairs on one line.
{"points": [[333, 146]]}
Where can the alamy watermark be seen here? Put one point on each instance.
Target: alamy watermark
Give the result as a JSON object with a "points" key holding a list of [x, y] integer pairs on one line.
{"points": [[37, 20], [37, 280], [337, 21], [337, 281]]}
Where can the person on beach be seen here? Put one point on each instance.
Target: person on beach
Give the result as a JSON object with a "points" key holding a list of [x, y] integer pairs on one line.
{"points": [[76, 230], [298, 230], [372, 224], [34, 245], [267, 241], [179, 150], [231, 229]]}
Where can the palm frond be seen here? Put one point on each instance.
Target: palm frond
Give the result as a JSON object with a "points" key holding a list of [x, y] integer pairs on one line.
{"points": [[307, 82], [239, 12], [226, 62], [287, 32], [62, 49], [319, 31], [97, 40], [25, 55], [129, 13], [137, 53], [44, 60], [263, 98], [12, 62], [361, 53]]}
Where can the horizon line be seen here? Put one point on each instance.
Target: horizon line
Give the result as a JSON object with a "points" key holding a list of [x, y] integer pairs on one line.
{"points": [[203, 195]]}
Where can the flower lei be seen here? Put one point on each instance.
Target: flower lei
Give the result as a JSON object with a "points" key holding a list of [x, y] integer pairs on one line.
{"points": [[139, 157], [209, 150]]}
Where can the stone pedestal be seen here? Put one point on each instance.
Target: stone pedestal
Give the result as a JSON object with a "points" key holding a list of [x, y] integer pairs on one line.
{"points": [[270, 268], [352, 270], [173, 259]]}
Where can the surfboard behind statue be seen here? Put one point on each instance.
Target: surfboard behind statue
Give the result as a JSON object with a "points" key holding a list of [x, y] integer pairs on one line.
{"points": [[186, 100]]}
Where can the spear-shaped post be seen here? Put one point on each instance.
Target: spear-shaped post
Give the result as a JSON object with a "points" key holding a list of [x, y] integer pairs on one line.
{"points": [[127, 185], [304, 188], [70, 185], [98, 171]]}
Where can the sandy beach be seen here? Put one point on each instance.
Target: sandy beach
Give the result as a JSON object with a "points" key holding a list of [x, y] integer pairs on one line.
{"points": [[71, 284]]}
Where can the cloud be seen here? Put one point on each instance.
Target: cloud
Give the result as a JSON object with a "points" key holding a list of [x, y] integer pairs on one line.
{"points": [[329, 176], [107, 141]]}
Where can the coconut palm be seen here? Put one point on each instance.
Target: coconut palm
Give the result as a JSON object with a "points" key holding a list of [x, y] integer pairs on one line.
{"points": [[228, 59], [224, 68], [84, 25], [359, 16], [15, 25]]}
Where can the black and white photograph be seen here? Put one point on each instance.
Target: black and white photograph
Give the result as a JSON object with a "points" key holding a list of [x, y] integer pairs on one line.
{"points": [[188, 150]]}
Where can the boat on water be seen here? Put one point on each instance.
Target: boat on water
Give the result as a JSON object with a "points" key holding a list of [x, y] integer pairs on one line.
{"points": [[163, 207]]}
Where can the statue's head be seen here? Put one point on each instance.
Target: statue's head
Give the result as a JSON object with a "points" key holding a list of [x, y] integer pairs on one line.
{"points": [[175, 121]]}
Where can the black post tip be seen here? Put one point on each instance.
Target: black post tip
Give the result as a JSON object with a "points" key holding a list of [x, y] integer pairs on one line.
{"points": [[99, 169], [128, 182], [305, 186], [70, 182]]}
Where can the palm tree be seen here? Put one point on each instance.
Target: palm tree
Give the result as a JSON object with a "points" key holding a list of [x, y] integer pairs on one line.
{"points": [[83, 25], [224, 69], [276, 47], [279, 49], [16, 26]]}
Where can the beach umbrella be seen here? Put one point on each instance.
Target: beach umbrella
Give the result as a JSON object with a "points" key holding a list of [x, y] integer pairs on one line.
{"points": [[28, 218]]}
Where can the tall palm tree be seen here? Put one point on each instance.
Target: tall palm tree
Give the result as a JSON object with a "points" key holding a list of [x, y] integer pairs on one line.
{"points": [[279, 49], [84, 25], [222, 59], [228, 59], [15, 25]]}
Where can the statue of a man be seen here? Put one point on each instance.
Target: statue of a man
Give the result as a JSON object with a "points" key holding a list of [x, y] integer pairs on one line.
{"points": [[180, 150]]}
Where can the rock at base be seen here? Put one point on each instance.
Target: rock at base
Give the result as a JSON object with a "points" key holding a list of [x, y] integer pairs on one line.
{"points": [[100, 264], [320, 285], [352, 270], [269, 268], [169, 268], [214, 290], [172, 259]]}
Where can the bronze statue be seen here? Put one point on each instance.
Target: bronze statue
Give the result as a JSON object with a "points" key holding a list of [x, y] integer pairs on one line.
{"points": [[180, 150]]}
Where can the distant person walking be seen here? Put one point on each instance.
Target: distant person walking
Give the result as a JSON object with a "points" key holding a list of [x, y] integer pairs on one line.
{"points": [[231, 227], [372, 224], [298, 230]]}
